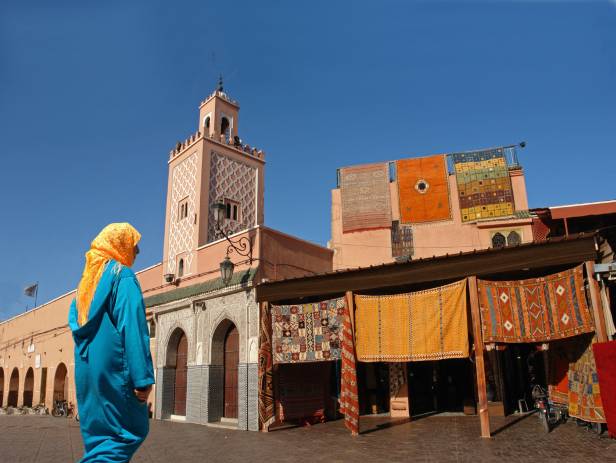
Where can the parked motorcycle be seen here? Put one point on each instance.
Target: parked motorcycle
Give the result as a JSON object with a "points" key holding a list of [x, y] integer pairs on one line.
{"points": [[550, 413], [62, 408]]}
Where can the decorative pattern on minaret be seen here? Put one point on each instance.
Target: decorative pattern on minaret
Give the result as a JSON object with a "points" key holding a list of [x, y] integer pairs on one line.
{"points": [[181, 232], [230, 179]]}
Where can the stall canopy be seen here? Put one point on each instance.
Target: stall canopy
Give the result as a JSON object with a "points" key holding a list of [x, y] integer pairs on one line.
{"points": [[483, 264]]}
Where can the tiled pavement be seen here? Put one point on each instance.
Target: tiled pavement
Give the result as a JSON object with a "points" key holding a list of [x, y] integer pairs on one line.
{"points": [[518, 439]]}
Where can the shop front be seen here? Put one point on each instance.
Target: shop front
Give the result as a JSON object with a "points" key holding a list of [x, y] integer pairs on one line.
{"points": [[470, 333]]}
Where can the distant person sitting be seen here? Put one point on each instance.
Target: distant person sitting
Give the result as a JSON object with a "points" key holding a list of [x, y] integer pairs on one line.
{"points": [[113, 364]]}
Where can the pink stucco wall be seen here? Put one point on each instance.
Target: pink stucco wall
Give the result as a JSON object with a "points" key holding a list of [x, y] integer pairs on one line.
{"points": [[284, 256]]}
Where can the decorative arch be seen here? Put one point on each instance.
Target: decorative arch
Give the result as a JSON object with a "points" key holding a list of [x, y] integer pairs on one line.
{"points": [[28, 388], [218, 339], [225, 354], [13, 388], [167, 334], [1, 386], [171, 344], [60, 383], [176, 362]]}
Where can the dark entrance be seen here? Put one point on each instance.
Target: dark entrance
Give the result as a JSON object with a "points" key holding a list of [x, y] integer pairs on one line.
{"points": [[1, 386], [439, 386], [13, 388], [373, 387], [422, 388], [179, 392], [231, 360], [518, 366], [29, 388], [60, 386]]}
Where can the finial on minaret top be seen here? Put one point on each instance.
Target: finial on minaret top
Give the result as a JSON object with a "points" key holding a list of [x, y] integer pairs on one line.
{"points": [[220, 87]]}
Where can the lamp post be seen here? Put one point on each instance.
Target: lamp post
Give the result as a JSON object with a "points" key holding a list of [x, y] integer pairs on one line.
{"points": [[241, 246]]}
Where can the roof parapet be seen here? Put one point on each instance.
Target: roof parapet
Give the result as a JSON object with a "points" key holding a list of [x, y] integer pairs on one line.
{"points": [[220, 94], [180, 147]]}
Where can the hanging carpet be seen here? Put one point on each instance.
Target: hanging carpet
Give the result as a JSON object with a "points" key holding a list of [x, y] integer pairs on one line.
{"points": [[423, 189], [422, 325], [484, 185], [266, 375], [584, 391], [535, 310], [307, 332], [558, 368], [605, 359], [349, 398], [365, 197]]}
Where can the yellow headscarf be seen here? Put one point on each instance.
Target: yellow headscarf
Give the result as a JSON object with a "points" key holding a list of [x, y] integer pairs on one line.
{"points": [[116, 241]]}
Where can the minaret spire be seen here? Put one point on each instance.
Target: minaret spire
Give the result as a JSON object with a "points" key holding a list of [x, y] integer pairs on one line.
{"points": [[220, 87]]}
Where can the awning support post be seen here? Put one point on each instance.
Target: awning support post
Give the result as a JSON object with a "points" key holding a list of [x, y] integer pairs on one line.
{"points": [[484, 416]]}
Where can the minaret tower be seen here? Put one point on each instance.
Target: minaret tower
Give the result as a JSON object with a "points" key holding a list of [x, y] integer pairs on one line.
{"points": [[212, 164]]}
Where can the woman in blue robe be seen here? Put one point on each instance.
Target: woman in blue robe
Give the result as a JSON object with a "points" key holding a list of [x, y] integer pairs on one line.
{"points": [[113, 364]]}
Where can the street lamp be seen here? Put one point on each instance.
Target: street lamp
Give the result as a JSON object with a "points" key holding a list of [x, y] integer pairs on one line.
{"points": [[226, 270], [241, 246]]}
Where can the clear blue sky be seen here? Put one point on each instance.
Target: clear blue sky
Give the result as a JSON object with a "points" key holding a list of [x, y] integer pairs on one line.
{"points": [[94, 94]]}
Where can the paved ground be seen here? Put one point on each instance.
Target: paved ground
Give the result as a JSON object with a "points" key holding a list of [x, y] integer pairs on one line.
{"points": [[437, 439]]}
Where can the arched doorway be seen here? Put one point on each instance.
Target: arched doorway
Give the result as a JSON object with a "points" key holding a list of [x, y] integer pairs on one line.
{"points": [[177, 360], [1, 386], [231, 360], [29, 388], [13, 388], [60, 384]]}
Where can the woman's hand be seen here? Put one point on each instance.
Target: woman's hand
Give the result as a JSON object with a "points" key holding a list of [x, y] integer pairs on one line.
{"points": [[142, 394]]}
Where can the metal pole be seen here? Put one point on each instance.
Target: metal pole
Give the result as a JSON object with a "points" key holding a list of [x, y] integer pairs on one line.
{"points": [[35, 294]]}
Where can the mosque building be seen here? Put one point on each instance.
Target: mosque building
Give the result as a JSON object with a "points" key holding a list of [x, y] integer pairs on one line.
{"points": [[199, 299]]}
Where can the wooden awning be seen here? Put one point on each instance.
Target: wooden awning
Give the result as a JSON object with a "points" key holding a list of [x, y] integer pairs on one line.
{"points": [[483, 264]]}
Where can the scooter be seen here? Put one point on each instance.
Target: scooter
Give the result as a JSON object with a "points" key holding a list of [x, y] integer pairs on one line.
{"points": [[550, 413]]}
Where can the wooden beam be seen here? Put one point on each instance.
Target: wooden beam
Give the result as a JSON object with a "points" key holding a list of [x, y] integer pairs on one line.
{"points": [[566, 227], [484, 416], [351, 305], [490, 262], [595, 301]]}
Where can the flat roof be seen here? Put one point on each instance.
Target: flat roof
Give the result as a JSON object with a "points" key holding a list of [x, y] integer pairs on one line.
{"points": [[583, 209]]}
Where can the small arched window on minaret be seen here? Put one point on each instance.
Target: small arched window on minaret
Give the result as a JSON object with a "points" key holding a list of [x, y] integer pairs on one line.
{"points": [[206, 122], [225, 127], [181, 268]]}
